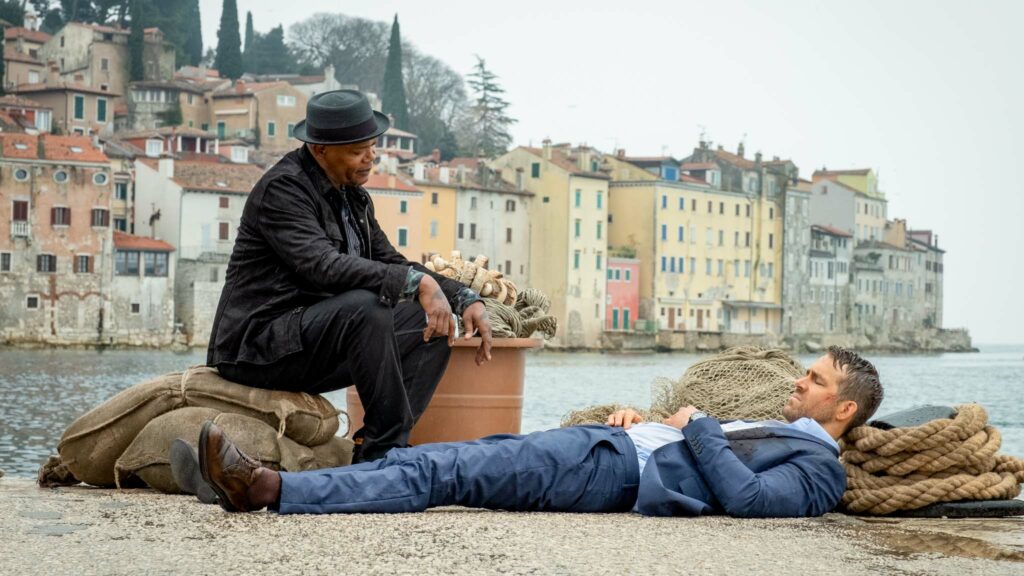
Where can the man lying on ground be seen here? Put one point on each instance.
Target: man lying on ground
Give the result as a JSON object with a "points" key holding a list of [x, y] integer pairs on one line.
{"points": [[690, 464]]}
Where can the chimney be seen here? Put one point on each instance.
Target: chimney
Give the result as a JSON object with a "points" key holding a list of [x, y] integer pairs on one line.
{"points": [[435, 155], [482, 174], [739, 150], [936, 240], [165, 167], [547, 148], [240, 86], [443, 173], [417, 171], [757, 157], [721, 148], [620, 153]]}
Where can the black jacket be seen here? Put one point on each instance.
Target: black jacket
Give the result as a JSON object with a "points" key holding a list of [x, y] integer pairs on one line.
{"points": [[291, 252]]}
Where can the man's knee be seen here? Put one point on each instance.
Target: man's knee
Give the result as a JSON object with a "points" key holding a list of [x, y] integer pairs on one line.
{"points": [[361, 305]]}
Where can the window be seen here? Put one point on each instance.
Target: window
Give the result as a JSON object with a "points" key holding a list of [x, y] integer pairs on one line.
{"points": [[46, 263], [693, 265], [33, 76], [736, 268], [121, 224], [225, 202], [5, 261], [735, 238], [708, 236], [746, 268], [271, 129], [600, 199], [508, 266], [32, 302], [535, 170], [682, 235], [403, 207], [60, 176], [627, 274], [664, 264], [221, 130], [664, 232], [189, 98], [20, 175], [721, 267], [771, 240], [433, 228], [682, 262], [19, 211], [721, 237], [285, 100], [746, 239], [682, 203], [60, 216], [707, 266], [721, 207], [510, 205], [693, 205], [154, 148], [223, 230], [101, 109], [136, 308], [711, 207], [126, 263], [291, 129], [403, 237], [239, 154], [83, 264], [664, 201], [671, 264], [737, 209], [433, 198], [577, 227], [120, 190], [508, 235], [472, 203], [100, 217], [472, 231], [576, 260], [599, 223], [771, 213], [748, 210], [611, 275], [771, 270], [579, 198], [79, 107], [461, 230]]}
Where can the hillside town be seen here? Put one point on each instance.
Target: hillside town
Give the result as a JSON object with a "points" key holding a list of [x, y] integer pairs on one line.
{"points": [[120, 200]]}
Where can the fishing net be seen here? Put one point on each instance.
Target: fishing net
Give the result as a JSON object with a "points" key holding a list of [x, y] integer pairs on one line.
{"points": [[742, 383]]}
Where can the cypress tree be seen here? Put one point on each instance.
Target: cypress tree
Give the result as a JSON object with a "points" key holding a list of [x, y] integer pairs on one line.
{"points": [[393, 91], [193, 34], [229, 45], [136, 42], [249, 39]]}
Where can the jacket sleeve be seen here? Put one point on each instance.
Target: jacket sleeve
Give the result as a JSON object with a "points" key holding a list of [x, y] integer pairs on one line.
{"points": [[384, 251], [290, 225], [806, 484]]}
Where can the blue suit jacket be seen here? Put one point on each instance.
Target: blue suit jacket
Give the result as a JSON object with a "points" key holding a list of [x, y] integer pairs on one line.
{"points": [[754, 473]]}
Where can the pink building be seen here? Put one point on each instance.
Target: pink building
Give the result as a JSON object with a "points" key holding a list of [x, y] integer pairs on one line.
{"points": [[623, 293]]}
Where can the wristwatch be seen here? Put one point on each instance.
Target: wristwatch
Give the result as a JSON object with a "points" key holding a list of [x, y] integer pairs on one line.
{"points": [[696, 416]]}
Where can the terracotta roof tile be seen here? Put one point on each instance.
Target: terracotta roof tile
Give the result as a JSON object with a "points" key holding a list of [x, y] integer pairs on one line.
{"points": [[165, 132], [699, 166], [563, 161], [36, 36], [201, 175], [62, 87], [246, 89], [381, 182], [59, 148], [735, 159], [123, 241], [20, 146], [831, 231], [692, 180], [15, 101]]}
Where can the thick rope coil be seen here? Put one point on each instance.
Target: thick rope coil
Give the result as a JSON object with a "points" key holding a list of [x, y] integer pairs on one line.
{"points": [[945, 460], [529, 316]]}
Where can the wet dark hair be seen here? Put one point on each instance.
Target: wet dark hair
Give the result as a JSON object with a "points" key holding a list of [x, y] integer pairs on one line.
{"points": [[860, 383]]}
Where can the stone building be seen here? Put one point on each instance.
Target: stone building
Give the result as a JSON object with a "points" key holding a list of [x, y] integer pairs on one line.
{"points": [[55, 240], [309, 85], [488, 216], [122, 157], [195, 206], [264, 114], [21, 57], [796, 246], [78, 109], [850, 200], [156, 103], [96, 56], [568, 238], [142, 292], [926, 243], [898, 311], [826, 297]]}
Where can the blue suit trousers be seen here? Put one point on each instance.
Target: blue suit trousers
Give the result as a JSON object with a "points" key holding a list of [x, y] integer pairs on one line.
{"points": [[577, 469]]}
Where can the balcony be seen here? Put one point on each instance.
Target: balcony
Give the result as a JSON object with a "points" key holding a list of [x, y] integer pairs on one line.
{"points": [[21, 229]]}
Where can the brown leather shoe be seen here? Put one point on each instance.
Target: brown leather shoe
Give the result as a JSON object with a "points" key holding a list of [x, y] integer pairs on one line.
{"points": [[226, 469]]}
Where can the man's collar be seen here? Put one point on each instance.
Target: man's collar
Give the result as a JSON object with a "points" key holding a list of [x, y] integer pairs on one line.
{"points": [[313, 168]]}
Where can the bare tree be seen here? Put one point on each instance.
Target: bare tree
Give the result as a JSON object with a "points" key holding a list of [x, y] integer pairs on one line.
{"points": [[357, 48]]}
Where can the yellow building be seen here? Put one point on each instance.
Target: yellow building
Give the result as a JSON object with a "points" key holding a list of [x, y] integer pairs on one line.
{"points": [[710, 259], [568, 240], [437, 217], [398, 207]]}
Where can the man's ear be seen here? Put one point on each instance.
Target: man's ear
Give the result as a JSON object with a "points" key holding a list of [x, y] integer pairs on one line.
{"points": [[316, 149], [845, 411]]}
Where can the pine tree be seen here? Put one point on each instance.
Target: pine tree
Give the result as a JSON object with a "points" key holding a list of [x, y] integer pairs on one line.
{"points": [[193, 34], [393, 91], [490, 121], [249, 40], [136, 42], [229, 45], [269, 54]]}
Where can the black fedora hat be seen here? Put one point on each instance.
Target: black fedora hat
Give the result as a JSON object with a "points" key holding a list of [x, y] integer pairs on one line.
{"points": [[340, 117]]}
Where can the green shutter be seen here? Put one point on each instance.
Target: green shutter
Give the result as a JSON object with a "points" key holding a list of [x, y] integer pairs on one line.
{"points": [[615, 318], [101, 110], [535, 170], [625, 318], [271, 129], [220, 130], [79, 107]]}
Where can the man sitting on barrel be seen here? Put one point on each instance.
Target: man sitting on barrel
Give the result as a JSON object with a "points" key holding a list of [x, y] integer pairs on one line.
{"points": [[688, 465], [316, 298]]}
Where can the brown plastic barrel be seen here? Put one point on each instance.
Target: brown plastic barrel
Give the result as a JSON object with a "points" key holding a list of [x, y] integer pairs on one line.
{"points": [[470, 401]]}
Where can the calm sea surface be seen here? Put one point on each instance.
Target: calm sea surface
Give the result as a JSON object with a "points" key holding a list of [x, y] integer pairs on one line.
{"points": [[42, 391]]}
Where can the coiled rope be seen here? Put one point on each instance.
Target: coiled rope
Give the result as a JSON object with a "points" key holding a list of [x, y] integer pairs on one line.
{"points": [[528, 316], [945, 460]]}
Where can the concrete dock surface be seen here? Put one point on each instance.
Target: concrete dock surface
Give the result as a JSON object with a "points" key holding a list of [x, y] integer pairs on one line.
{"points": [[81, 530]]}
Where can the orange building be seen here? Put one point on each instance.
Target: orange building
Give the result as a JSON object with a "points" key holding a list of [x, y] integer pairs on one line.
{"points": [[398, 206]]}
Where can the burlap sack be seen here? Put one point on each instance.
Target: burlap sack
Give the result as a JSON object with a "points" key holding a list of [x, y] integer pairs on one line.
{"points": [[331, 454], [307, 419], [147, 458], [92, 443]]}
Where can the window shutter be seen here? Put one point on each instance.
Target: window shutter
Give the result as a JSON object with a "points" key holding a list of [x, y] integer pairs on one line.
{"points": [[74, 265], [53, 216], [89, 260]]}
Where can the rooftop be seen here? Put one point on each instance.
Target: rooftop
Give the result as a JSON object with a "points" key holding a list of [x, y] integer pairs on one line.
{"points": [[62, 87], [69, 149], [123, 241], [205, 176], [15, 101], [384, 182], [831, 231], [11, 54], [241, 88], [35, 36], [565, 162]]}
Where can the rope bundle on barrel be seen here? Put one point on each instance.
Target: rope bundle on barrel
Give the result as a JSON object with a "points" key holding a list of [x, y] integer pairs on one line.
{"points": [[944, 460], [528, 316]]}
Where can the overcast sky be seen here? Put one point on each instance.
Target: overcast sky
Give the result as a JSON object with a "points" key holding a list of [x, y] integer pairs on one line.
{"points": [[927, 93]]}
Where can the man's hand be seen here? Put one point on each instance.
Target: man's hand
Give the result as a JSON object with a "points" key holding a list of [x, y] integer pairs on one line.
{"points": [[440, 321], [625, 418], [681, 418], [474, 319]]}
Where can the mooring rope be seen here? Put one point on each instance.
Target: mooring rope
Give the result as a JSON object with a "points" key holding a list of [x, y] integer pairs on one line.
{"points": [[944, 460], [529, 316]]}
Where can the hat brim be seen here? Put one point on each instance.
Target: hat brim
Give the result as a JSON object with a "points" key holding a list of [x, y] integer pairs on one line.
{"points": [[383, 123]]}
